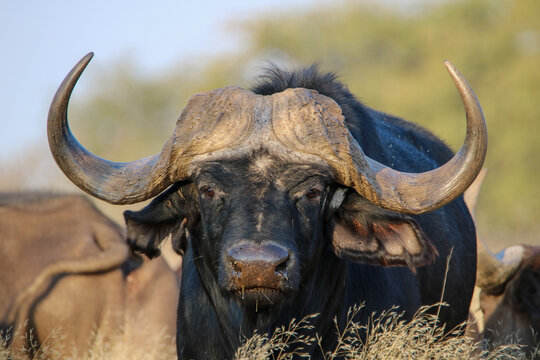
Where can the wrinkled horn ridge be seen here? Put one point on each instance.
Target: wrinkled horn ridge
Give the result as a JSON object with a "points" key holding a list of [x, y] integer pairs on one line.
{"points": [[416, 193], [114, 182]]}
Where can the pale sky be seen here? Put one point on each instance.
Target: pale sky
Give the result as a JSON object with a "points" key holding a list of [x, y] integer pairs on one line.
{"points": [[41, 40]]}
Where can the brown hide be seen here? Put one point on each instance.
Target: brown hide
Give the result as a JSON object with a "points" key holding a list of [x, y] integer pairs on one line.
{"points": [[66, 266]]}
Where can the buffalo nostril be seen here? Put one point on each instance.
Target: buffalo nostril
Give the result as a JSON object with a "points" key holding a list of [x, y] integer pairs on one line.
{"points": [[282, 266], [237, 267]]}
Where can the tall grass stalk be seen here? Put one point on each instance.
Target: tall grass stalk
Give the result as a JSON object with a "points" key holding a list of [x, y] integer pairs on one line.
{"points": [[387, 335]]}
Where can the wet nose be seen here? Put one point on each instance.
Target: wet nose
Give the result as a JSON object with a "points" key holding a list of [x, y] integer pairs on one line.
{"points": [[259, 265]]}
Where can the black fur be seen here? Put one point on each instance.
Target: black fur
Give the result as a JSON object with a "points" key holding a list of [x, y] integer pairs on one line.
{"points": [[212, 321], [363, 122]]}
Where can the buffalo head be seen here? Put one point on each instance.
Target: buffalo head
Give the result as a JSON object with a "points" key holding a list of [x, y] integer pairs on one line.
{"points": [[259, 187]]}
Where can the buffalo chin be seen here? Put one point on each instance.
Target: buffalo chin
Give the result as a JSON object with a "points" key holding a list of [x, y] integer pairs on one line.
{"points": [[259, 298]]}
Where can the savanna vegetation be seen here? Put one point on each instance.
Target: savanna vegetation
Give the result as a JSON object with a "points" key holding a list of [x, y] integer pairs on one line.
{"points": [[391, 58], [386, 336]]}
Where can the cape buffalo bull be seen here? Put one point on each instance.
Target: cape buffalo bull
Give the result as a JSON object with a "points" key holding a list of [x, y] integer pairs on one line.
{"points": [[506, 305], [280, 202], [66, 267]]}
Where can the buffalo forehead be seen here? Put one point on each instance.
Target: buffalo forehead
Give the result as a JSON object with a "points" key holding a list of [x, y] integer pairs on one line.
{"points": [[296, 124], [260, 168]]}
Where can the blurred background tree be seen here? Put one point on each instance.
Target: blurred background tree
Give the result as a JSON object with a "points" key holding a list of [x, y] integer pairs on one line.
{"points": [[391, 59]]}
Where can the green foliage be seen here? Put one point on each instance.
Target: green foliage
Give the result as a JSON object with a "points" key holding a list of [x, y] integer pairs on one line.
{"points": [[392, 60]]}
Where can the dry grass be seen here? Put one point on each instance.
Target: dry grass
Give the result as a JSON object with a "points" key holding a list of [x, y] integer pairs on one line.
{"points": [[156, 346], [284, 344], [148, 345], [385, 336], [51, 347], [513, 339]]}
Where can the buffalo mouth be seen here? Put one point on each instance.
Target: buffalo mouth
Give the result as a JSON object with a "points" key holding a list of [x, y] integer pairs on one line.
{"points": [[258, 297]]}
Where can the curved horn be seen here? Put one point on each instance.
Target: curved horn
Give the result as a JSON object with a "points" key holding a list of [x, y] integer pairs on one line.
{"points": [[114, 182], [416, 193], [495, 270]]}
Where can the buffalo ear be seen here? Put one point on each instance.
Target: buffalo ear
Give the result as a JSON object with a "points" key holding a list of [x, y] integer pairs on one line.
{"points": [[365, 233], [166, 214]]}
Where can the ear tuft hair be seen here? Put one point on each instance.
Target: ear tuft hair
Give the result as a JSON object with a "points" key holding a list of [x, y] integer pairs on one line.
{"points": [[169, 213], [364, 233]]}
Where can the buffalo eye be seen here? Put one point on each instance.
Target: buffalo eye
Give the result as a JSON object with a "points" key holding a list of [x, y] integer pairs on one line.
{"points": [[313, 194], [207, 191]]}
